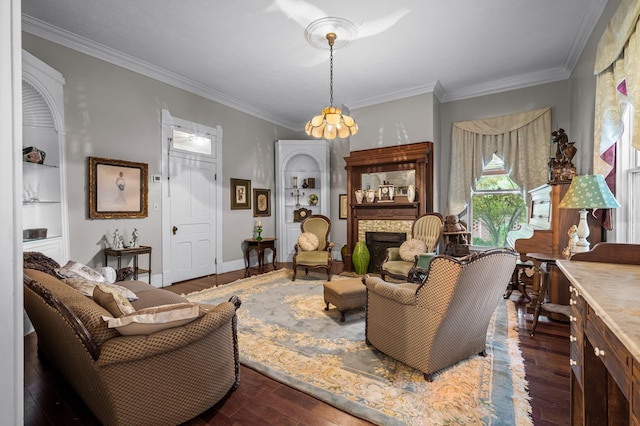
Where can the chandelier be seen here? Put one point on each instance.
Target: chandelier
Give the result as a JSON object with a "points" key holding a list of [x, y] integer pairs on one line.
{"points": [[331, 123]]}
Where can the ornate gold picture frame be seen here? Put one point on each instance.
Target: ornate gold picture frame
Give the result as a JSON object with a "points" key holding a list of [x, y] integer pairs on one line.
{"points": [[117, 189]]}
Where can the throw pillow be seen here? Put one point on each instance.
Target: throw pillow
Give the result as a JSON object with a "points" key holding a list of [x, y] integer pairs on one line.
{"points": [[110, 299], [158, 318], [411, 248], [308, 241], [86, 287], [77, 270], [110, 275]]}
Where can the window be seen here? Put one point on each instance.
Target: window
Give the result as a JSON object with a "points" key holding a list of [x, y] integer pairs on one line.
{"points": [[191, 142], [497, 206], [627, 217]]}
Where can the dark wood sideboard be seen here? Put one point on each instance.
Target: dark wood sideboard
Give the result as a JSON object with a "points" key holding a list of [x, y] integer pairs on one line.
{"points": [[605, 335], [416, 156]]}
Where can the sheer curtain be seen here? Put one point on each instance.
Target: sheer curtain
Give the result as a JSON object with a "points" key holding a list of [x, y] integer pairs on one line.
{"points": [[521, 140], [617, 67]]}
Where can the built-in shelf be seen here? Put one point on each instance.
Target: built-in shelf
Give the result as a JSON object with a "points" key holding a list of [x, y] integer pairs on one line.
{"points": [[297, 160]]}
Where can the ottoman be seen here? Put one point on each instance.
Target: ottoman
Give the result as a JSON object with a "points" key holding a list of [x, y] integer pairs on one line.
{"points": [[345, 295]]}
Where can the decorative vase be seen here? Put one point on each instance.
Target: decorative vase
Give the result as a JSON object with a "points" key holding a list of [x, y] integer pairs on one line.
{"points": [[359, 195], [371, 195], [361, 258], [411, 193]]}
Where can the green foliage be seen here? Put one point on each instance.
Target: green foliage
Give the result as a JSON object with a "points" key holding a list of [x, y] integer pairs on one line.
{"points": [[498, 213]]}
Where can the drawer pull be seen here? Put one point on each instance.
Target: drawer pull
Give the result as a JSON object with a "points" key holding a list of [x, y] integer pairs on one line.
{"points": [[572, 318], [598, 352], [572, 362], [570, 289], [572, 302], [573, 338]]}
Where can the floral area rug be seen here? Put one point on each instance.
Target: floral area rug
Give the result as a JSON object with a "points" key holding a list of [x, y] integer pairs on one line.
{"points": [[285, 333]]}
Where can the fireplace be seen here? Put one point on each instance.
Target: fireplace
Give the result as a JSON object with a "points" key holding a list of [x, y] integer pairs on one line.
{"points": [[377, 243]]}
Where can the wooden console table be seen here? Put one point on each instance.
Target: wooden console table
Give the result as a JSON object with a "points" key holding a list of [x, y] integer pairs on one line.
{"points": [[605, 338], [259, 246], [131, 251]]}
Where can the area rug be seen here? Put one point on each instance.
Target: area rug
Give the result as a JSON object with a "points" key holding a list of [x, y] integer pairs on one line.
{"points": [[285, 333]]}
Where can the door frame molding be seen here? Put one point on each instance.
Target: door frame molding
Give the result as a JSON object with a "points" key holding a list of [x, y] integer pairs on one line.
{"points": [[168, 122]]}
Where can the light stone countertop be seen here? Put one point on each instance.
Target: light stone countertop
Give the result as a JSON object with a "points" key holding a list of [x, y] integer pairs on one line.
{"points": [[613, 291]]}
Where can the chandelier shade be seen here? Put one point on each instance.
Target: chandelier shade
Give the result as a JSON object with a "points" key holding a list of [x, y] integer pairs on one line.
{"points": [[331, 123]]}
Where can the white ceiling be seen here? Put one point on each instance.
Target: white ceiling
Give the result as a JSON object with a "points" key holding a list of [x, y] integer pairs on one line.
{"points": [[252, 55]]}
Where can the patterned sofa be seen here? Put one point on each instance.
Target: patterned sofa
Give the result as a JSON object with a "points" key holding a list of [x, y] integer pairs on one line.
{"points": [[162, 378]]}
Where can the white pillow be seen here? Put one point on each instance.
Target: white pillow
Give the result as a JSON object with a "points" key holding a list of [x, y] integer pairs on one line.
{"points": [[86, 287], [158, 318], [308, 241], [110, 275], [78, 270], [411, 248]]}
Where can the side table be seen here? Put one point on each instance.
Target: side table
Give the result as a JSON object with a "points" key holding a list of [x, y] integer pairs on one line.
{"points": [[548, 262], [259, 246], [130, 251]]}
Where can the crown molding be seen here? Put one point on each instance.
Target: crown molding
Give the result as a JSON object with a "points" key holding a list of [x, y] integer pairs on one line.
{"points": [[73, 41], [504, 85], [587, 26], [394, 96]]}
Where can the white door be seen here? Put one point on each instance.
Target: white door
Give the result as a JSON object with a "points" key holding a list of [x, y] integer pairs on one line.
{"points": [[192, 193]]}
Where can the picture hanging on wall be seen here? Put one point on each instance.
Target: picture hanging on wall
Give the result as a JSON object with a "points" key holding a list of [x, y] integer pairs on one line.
{"points": [[118, 189], [261, 202], [240, 190]]}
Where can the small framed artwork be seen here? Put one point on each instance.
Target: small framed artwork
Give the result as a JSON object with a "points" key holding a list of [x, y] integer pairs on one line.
{"points": [[240, 194], [117, 189], [261, 202], [344, 206]]}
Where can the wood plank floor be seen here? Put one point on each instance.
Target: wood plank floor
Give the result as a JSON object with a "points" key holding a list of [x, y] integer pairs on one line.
{"points": [[48, 400]]}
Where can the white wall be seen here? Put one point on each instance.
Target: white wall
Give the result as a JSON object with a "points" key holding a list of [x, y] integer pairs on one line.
{"points": [[115, 113], [399, 122]]}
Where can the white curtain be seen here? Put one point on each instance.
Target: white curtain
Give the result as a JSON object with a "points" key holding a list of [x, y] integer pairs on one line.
{"points": [[521, 140], [617, 67]]}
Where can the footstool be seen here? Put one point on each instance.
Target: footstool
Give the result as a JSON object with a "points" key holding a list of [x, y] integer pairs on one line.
{"points": [[345, 294]]}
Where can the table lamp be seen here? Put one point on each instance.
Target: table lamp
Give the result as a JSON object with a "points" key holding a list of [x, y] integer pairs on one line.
{"points": [[587, 192]]}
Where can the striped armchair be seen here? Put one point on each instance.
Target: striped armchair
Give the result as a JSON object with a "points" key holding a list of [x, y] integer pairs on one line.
{"points": [[427, 228], [445, 318]]}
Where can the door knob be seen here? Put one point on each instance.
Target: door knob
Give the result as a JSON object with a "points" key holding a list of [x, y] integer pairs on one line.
{"points": [[174, 229]]}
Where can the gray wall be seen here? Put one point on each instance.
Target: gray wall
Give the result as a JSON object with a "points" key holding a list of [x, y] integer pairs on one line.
{"points": [[115, 113]]}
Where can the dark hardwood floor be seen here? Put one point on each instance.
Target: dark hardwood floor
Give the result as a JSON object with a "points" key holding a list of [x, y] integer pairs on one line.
{"points": [[48, 400]]}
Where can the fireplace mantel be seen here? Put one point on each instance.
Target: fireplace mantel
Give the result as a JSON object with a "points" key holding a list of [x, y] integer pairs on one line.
{"points": [[416, 156]]}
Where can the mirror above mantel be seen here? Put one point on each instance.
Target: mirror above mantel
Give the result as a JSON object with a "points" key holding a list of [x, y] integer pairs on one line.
{"points": [[400, 179]]}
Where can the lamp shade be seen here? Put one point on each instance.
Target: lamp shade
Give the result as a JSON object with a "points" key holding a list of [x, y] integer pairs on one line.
{"points": [[588, 192]]}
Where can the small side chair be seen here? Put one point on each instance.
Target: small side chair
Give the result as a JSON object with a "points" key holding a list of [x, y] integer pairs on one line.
{"points": [[313, 249]]}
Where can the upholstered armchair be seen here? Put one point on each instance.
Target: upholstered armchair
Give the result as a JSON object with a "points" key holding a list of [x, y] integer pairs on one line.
{"points": [[313, 249], [400, 262], [435, 324]]}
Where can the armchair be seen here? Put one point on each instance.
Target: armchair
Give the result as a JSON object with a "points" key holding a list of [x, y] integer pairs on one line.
{"points": [[313, 249], [433, 325], [428, 229]]}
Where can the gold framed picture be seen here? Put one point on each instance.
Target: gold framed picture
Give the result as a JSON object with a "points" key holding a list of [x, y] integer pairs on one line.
{"points": [[261, 202], [117, 189], [344, 206], [240, 190]]}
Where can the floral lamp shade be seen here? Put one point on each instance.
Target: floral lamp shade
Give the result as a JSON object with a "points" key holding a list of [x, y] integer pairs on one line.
{"points": [[589, 192]]}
